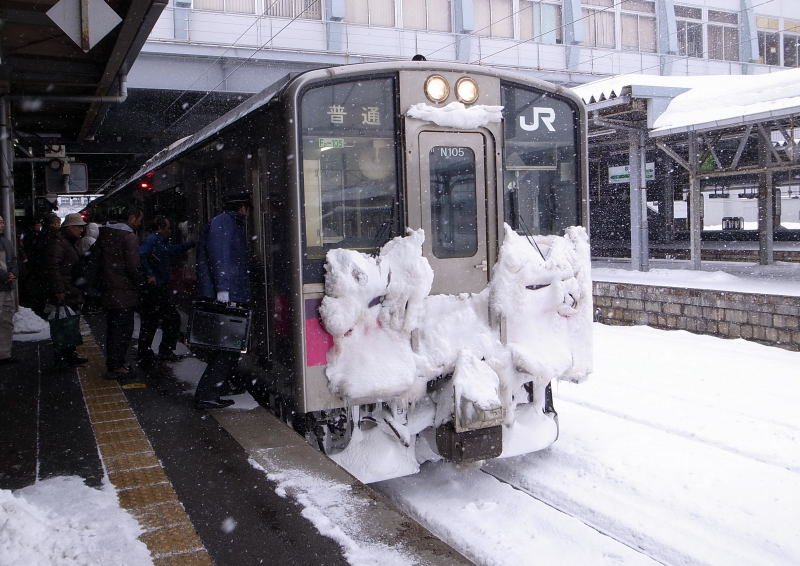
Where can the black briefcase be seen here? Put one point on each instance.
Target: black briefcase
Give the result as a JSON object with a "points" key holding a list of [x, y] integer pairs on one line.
{"points": [[217, 326]]}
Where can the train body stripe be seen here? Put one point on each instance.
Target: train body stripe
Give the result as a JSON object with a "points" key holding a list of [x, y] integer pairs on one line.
{"points": [[318, 341]]}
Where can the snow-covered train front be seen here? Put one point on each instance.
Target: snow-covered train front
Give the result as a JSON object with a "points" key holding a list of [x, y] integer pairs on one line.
{"points": [[420, 258], [460, 377]]}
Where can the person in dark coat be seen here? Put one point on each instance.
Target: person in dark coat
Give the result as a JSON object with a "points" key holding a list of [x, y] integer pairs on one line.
{"points": [[59, 264], [223, 274], [35, 283], [8, 305], [158, 308], [121, 279]]}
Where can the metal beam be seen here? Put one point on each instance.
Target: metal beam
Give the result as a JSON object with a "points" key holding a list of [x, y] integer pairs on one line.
{"points": [[742, 145], [768, 142], [677, 158], [710, 145], [755, 170], [617, 125]]}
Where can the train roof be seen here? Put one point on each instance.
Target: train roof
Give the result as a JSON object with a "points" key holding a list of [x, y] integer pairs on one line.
{"points": [[262, 98]]}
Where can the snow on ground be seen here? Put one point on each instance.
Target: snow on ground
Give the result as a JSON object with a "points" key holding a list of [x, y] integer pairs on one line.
{"points": [[61, 521], [685, 446], [337, 514], [780, 278]]}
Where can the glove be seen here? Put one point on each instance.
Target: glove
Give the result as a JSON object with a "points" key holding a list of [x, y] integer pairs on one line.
{"points": [[223, 297]]}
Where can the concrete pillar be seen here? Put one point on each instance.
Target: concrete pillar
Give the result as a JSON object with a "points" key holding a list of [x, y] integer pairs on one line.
{"points": [[335, 11], [464, 25], [574, 33], [766, 208], [695, 206], [748, 36], [180, 19], [640, 248]]}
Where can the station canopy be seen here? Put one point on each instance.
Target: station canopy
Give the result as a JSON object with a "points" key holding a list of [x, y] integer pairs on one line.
{"points": [[65, 61], [681, 104]]}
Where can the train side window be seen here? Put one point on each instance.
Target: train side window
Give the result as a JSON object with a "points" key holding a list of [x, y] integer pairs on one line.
{"points": [[349, 166], [453, 199], [541, 164]]}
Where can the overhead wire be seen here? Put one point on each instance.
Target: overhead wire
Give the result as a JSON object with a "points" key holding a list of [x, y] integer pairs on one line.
{"points": [[221, 55], [253, 54]]}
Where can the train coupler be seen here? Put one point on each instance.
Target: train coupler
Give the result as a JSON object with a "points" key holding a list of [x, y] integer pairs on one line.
{"points": [[470, 445]]}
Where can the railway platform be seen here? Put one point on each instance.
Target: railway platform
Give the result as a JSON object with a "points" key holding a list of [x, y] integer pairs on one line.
{"points": [[225, 487]]}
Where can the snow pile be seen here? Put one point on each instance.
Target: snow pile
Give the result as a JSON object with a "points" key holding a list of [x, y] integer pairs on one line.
{"points": [[729, 98], [371, 305], [29, 327], [62, 521], [391, 339], [544, 293], [475, 386], [456, 115]]}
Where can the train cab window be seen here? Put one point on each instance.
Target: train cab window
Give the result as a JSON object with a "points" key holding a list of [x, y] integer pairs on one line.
{"points": [[453, 202], [541, 166], [349, 166]]}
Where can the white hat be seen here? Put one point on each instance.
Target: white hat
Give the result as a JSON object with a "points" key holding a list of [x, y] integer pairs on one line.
{"points": [[73, 219]]}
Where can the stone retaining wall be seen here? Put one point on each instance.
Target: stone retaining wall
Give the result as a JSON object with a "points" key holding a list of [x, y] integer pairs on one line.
{"points": [[768, 319]]}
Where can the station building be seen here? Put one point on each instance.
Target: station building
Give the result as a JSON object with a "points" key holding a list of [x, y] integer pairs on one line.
{"points": [[202, 57]]}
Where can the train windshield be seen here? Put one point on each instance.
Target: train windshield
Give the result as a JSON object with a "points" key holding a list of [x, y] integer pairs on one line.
{"points": [[350, 172], [541, 165]]}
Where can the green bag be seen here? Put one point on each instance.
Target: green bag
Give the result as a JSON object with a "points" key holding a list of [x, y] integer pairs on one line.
{"points": [[65, 330]]}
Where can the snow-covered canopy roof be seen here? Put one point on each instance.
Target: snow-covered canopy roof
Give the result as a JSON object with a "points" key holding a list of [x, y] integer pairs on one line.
{"points": [[703, 102]]}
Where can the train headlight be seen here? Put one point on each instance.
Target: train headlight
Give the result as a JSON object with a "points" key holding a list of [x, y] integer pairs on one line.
{"points": [[466, 90], [436, 88]]}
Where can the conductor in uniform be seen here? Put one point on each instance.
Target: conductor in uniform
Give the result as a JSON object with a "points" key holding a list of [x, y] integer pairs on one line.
{"points": [[223, 275]]}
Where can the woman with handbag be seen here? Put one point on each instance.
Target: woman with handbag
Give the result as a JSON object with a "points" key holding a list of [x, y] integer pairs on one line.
{"points": [[59, 264]]}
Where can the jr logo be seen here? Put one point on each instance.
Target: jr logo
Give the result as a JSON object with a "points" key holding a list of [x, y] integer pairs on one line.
{"points": [[546, 115]]}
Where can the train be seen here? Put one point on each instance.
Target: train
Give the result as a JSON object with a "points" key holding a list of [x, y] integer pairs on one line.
{"points": [[420, 259]]}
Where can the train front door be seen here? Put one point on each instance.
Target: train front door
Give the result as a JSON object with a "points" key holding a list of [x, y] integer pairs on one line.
{"points": [[453, 209]]}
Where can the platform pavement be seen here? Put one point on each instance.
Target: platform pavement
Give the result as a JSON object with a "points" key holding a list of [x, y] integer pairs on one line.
{"points": [[182, 473]]}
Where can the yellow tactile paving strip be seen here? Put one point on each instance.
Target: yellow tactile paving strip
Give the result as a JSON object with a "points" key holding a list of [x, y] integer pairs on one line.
{"points": [[133, 468]]}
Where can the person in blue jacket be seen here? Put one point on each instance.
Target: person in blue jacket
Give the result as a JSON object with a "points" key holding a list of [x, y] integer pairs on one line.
{"points": [[157, 306], [223, 274]]}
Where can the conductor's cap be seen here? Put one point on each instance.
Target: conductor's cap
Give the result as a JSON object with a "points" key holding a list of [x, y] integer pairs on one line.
{"points": [[237, 199]]}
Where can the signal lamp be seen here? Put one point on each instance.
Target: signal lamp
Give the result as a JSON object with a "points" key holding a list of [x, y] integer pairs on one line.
{"points": [[466, 90], [436, 88]]}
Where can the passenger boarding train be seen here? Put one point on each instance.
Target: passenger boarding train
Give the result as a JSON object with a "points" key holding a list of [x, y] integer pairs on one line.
{"points": [[419, 258]]}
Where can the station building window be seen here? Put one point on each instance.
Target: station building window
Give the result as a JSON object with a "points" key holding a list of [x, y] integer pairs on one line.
{"points": [[301, 9], [723, 35], [432, 15], [235, 6], [690, 31], [598, 17], [494, 18], [638, 24], [540, 22], [768, 40], [370, 12], [791, 43]]}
